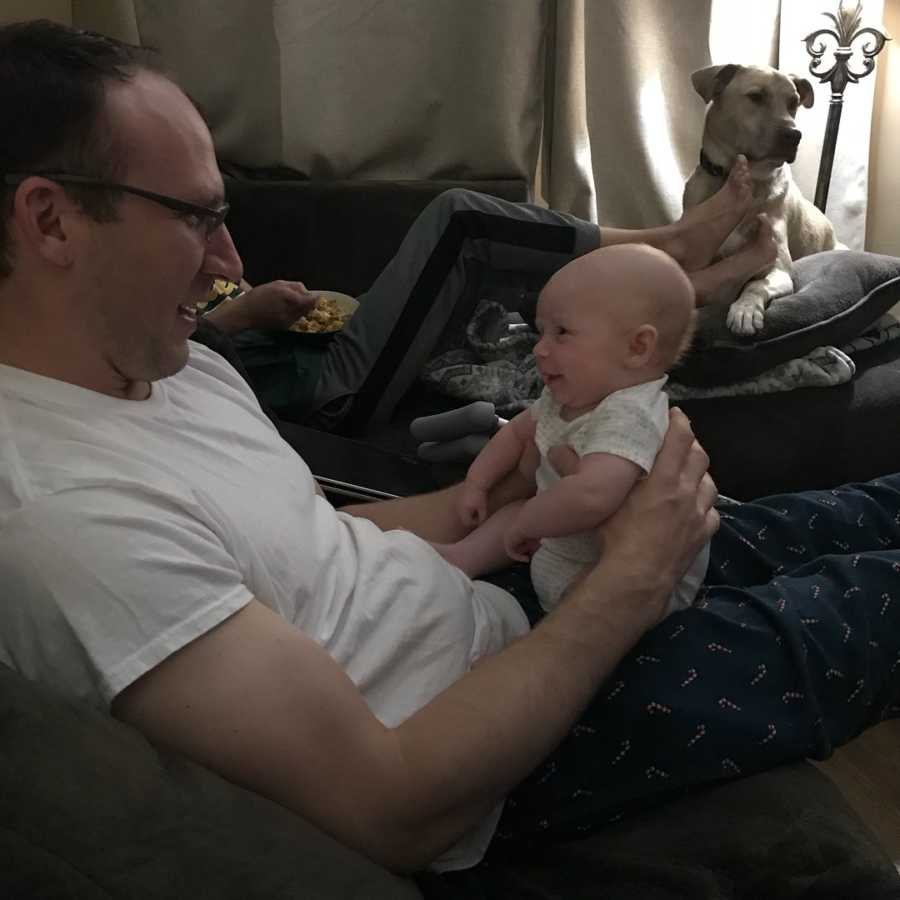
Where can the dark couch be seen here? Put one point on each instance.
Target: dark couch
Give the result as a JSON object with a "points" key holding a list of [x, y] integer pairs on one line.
{"points": [[89, 809], [339, 235]]}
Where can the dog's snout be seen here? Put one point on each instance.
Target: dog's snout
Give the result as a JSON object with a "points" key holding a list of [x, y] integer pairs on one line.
{"points": [[787, 142]]}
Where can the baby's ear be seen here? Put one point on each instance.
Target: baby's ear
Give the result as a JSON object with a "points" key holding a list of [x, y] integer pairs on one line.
{"points": [[641, 346]]}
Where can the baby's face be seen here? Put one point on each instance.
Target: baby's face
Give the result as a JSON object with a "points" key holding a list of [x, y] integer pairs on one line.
{"points": [[592, 308], [580, 354]]}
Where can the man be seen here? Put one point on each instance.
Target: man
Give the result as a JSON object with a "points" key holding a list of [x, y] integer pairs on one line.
{"points": [[167, 556]]}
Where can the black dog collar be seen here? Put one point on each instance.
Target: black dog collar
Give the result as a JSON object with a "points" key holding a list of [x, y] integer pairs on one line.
{"points": [[709, 166]]}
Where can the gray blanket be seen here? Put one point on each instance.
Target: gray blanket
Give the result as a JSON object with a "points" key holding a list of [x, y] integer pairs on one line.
{"points": [[497, 364]]}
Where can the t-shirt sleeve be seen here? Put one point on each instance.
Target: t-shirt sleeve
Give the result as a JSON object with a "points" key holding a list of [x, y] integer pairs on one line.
{"points": [[627, 427], [101, 585]]}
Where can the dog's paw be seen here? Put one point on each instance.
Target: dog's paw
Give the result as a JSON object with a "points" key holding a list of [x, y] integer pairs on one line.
{"points": [[745, 315]]}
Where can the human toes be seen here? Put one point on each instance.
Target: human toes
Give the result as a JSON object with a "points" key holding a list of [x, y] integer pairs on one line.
{"points": [[765, 242], [739, 181]]}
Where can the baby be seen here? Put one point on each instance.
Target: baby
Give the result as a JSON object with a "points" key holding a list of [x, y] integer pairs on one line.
{"points": [[611, 324]]}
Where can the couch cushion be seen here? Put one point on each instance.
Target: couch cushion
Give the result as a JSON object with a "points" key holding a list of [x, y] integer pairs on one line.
{"points": [[785, 834], [806, 438], [839, 294], [89, 809]]}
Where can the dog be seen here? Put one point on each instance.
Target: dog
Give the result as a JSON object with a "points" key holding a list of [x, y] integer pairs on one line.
{"points": [[751, 112]]}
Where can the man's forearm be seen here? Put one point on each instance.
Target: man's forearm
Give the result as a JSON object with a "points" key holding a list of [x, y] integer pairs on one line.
{"points": [[497, 723], [433, 516]]}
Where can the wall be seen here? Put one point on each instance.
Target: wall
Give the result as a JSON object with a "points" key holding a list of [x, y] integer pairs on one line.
{"points": [[883, 227], [114, 17], [15, 10]]}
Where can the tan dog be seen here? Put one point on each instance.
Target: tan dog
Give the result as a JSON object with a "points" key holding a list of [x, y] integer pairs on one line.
{"points": [[751, 112]]}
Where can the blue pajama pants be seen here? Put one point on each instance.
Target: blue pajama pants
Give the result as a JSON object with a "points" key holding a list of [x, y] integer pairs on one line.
{"points": [[792, 649]]}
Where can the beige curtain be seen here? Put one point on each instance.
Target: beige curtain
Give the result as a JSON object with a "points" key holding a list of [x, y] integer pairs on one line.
{"points": [[384, 89], [848, 194], [588, 100], [625, 123]]}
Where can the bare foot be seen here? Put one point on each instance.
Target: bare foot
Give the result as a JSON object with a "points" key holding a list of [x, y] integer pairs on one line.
{"points": [[723, 280], [701, 230]]}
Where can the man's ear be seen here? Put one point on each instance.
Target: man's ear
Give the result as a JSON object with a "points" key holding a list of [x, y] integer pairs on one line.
{"points": [[43, 215], [641, 346]]}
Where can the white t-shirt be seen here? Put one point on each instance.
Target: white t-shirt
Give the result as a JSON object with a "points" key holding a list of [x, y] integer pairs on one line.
{"points": [[128, 529]]}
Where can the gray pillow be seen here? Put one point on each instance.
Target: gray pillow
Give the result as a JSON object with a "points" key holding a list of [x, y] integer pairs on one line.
{"points": [[839, 294]]}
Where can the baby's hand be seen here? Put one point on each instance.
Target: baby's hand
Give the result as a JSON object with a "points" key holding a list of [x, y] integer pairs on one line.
{"points": [[519, 546], [471, 505]]}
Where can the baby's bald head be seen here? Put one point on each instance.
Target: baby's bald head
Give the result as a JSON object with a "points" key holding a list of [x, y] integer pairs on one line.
{"points": [[634, 284]]}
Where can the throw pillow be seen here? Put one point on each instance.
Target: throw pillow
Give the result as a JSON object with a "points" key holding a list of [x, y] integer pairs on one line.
{"points": [[839, 294]]}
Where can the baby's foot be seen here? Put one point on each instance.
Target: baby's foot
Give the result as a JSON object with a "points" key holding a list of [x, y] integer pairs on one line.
{"points": [[702, 229]]}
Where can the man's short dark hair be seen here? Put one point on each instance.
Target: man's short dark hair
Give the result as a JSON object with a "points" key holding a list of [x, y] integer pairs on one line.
{"points": [[53, 82]]}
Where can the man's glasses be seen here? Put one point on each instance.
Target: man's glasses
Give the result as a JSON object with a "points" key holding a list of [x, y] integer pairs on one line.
{"points": [[205, 219]]}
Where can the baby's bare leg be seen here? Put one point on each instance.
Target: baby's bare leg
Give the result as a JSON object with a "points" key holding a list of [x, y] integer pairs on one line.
{"points": [[482, 550]]}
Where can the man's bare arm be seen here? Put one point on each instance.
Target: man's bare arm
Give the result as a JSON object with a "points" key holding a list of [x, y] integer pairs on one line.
{"points": [[433, 516], [264, 705]]}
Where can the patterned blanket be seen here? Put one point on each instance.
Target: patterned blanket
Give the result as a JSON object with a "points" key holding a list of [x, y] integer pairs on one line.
{"points": [[496, 364]]}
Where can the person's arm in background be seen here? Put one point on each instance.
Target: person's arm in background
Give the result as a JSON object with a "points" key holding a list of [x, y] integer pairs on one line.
{"points": [[272, 306], [577, 502]]}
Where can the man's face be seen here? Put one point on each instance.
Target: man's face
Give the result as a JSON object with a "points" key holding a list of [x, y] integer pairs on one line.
{"points": [[146, 272]]}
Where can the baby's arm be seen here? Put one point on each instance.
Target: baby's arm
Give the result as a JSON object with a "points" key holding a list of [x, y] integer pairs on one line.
{"points": [[506, 450], [577, 502]]}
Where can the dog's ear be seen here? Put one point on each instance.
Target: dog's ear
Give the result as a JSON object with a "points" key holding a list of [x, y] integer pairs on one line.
{"points": [[805, 90], [711, 81]]}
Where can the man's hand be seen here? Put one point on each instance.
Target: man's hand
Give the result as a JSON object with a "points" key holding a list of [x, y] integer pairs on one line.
{"points": [[563, 459], [274, 306], [471, 504], [666, 519]]}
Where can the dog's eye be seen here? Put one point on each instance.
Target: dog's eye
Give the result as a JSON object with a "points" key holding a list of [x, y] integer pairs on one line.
{"points": [[756, 97]]}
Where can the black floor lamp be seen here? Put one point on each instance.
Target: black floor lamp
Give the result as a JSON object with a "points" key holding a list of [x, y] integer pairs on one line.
{"points": [[840, 41]]}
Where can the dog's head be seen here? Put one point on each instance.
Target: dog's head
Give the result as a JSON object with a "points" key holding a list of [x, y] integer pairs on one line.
{"points": [[752, 110]]}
